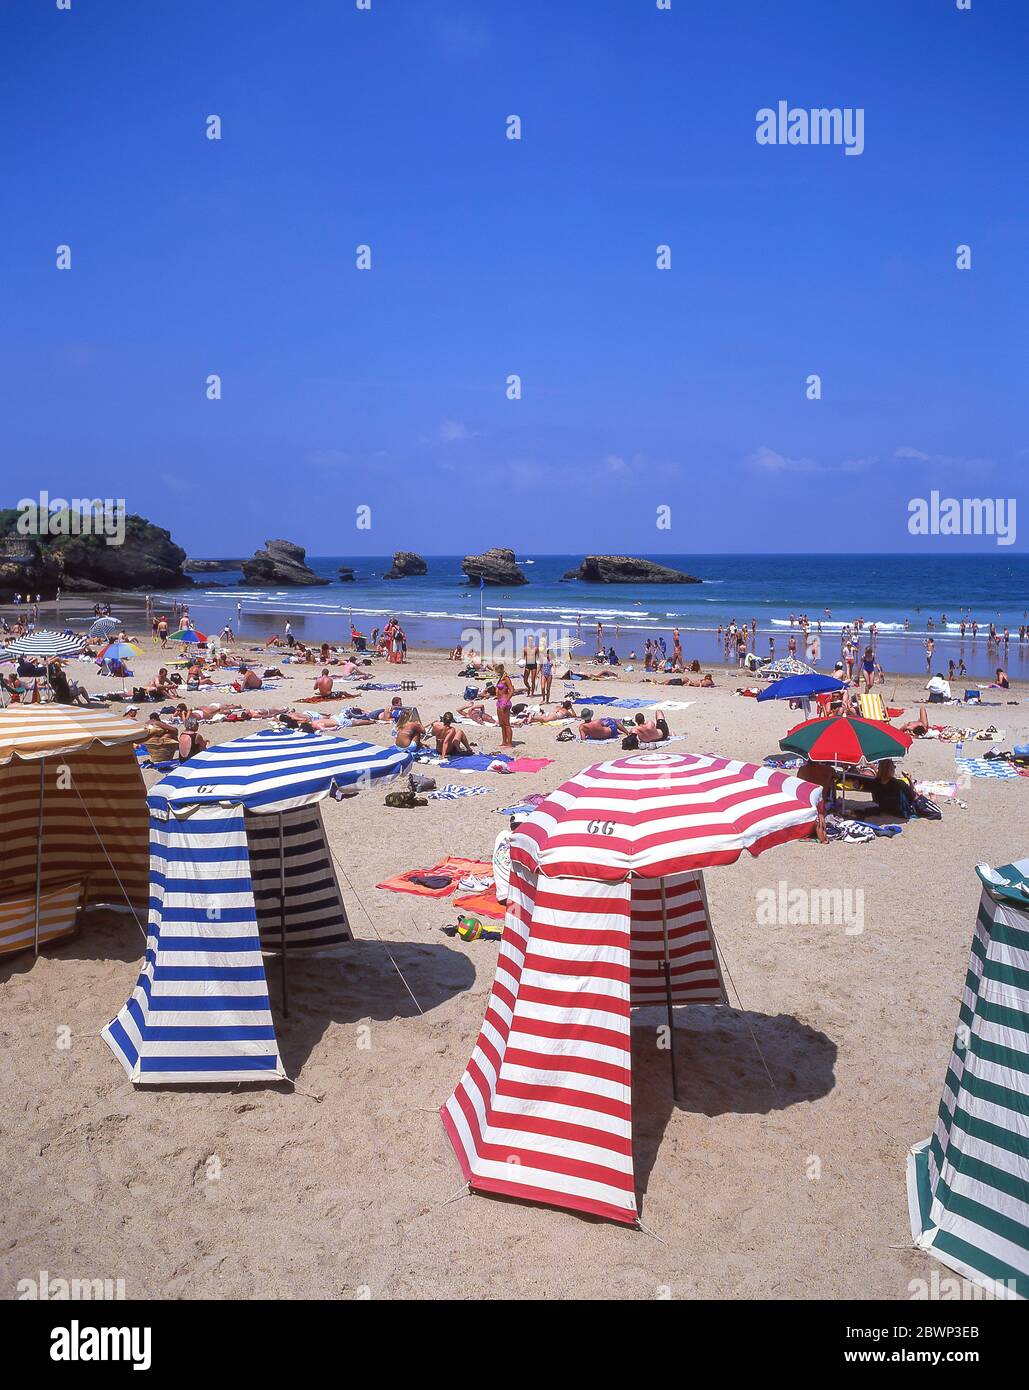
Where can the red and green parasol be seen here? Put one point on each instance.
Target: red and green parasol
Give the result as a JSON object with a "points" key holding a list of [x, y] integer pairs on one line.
{"points": [[846, 739]]}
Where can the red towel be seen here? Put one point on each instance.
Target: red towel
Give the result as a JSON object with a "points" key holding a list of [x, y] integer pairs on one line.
{"points": [[483, 904], [457, 868]]}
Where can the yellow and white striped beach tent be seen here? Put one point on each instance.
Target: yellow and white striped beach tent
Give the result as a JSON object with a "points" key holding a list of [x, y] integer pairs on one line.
{"points": [[73, 819]]}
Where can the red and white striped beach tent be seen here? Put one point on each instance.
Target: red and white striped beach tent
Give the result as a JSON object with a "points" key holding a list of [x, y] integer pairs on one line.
{"points": [[607, 911]]}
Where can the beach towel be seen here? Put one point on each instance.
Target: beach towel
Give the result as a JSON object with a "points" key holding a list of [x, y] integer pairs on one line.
{"points": [[528, 764], [524, 808], [986, 767], [674, 704], [483, 904], [947, 790], [451, 868], [474, 762], [453, 790], [631, 704], [596, 699]]}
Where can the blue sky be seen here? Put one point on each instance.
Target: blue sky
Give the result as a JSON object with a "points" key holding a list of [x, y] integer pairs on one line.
{"points": [[641, 387]]}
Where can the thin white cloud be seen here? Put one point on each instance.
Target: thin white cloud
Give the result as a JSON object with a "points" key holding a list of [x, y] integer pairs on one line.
{"points": [[973, 465], [766, 460], [454, 432]]}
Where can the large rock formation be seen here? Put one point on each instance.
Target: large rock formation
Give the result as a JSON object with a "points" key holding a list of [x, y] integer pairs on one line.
{"points": [[26, 567], [496, 566], [147, 558], [406, 562], [280, 562], [346, 574], [627, 569]]}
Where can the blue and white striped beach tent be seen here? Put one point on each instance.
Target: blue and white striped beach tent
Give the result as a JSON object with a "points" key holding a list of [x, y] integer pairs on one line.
{"points": [[239, 866], [968, 1186]]}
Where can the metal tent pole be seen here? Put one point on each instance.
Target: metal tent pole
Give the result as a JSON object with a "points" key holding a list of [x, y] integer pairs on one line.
{"points": [[39, 853], [668, 992], [282, 918]]}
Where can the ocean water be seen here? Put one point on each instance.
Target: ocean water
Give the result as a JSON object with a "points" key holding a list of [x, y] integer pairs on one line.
{"points": [[901, 594]]}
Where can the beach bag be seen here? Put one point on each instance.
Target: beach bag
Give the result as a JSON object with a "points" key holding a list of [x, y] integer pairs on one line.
{"points": [[630, 741], [565, 736], [925, 806], [421, 783], [471, 692]]}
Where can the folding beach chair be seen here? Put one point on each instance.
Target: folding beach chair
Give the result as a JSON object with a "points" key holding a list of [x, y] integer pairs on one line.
{"points": [[973, 697], [873, 706]]}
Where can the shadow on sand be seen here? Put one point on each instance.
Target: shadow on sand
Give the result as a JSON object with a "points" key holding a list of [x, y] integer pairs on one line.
{"points": [[718, 1055]]}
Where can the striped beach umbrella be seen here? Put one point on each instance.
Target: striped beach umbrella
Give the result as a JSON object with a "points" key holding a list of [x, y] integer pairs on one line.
{"points": [[274, 771], [104, 627], [119, 651], [49, 839], [653, 814], [188, 634], [44, 643], [846, 739], [45, 731], [787, 666]]}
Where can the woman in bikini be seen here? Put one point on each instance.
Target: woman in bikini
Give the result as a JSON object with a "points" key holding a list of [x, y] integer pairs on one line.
{"points": [[505, 693]]}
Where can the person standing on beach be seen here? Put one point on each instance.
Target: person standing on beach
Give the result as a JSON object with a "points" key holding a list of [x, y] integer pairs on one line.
{"points": [[676, 650], [930, 647], [546, 674], [162, 630], [529, 665], [505, 694]]}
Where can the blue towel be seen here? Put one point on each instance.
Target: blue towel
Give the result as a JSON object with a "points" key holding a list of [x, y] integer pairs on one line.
{"points": [[598, 700], [475, 762]]}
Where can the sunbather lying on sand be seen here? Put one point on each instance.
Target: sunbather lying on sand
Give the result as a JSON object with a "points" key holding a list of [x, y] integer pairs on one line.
{"points": [[653, 730], [565, 710], [705, 682], [478, 714], [597, 729], [919, 727]]}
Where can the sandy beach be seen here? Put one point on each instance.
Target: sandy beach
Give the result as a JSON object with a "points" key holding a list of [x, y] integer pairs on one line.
{"points": [[785, 1183]]}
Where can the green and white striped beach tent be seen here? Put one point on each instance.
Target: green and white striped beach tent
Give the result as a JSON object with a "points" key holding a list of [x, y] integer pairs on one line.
{"points": [[968, 1186]]}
